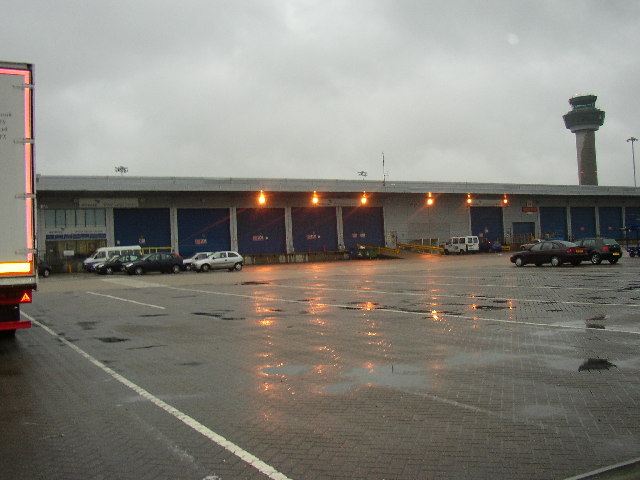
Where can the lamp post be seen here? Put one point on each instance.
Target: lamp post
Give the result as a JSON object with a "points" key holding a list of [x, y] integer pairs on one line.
{"points": [[633, 157]]}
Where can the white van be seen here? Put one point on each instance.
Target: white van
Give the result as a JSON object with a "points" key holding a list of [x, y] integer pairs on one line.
{"points": [[103, 254], [468, 244]]}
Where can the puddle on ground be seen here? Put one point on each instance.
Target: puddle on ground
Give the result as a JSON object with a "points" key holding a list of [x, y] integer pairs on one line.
{"points": [[596, 322], [596, 364], [255, 283], [392, 376], [146, 347], [87, 325], [112, 339], [490, 307], [190, 364], [221, 316], [287, 370], [151, 315]]}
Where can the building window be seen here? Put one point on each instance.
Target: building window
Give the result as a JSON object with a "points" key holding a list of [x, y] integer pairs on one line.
{"points": [[90, 217]]}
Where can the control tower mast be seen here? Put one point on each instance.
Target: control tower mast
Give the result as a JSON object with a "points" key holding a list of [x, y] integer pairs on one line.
{"points": [[583, 120]]}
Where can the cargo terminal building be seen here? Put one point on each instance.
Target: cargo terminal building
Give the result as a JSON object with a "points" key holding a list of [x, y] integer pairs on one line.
{"points": [[296, 220]]}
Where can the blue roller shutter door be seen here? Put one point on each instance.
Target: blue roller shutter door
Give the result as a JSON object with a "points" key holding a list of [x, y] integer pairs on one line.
{"points": [[362, 225], [524, 228], [611, 222], [147, 227], [261, 230], [486, 222], [631, 216], [553, 222], [314, 229], [583, 222], [203, 230]]}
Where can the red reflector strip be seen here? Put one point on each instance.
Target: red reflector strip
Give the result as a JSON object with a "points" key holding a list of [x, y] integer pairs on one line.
{"points": [[14, 325]]}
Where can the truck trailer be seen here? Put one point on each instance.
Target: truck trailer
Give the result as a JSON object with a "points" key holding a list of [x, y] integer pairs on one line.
{"points": [[18, 255]]}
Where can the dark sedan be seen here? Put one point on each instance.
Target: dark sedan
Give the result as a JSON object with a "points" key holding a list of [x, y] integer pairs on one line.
{"points": [[115, 264], [555, 252], [155, 262], [601, 249]]}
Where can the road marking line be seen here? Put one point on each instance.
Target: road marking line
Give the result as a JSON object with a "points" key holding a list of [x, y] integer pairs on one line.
{"points": [[470, 297], [247, 457], [406, 312], [542, 287], [126, 300]]}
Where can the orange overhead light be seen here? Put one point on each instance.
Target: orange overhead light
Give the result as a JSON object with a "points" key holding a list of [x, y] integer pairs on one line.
{"points": [[315, 198], [469, 200], [429, 199], [505, 200], [363, 199], [262, 199]]}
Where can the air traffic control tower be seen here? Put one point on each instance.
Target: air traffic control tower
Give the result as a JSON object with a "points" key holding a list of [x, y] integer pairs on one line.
{"points": [[583, 120]]}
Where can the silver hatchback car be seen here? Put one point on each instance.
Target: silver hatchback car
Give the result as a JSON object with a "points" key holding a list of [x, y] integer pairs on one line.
{"points": [[230, 260]]}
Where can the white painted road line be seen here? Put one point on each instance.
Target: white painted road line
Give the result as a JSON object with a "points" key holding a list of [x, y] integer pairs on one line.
{"points": [[406, 312], [126, 300], [219, 440]]}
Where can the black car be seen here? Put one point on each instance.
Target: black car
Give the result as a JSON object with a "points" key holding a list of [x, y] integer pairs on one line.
{"points": [[115, 264], [155, 262], [601, 249], [555, 252], [44, 270]]}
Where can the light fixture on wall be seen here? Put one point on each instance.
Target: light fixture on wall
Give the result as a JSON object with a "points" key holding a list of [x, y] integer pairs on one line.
{"points": [[261, 198], [429, 199]]}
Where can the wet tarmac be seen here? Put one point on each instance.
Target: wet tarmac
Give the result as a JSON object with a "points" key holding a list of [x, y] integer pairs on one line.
{"points": [[431, 367]]}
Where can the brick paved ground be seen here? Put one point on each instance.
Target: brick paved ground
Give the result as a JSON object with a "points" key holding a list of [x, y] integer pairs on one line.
{"points": [[457, 367]]}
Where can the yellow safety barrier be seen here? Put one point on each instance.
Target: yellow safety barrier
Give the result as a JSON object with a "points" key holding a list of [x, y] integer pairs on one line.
{"points": [[426, 248], [394, 251]]}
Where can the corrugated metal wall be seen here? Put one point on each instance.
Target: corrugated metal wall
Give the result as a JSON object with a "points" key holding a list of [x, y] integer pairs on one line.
{"points": [[261, 230], [147, 227], [203, 230]]}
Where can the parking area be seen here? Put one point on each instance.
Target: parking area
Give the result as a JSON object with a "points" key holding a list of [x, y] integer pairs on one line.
{"points": [[424, 368]]}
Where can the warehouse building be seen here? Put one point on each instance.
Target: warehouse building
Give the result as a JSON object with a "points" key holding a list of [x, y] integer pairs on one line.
{"points": [[298, 220]]}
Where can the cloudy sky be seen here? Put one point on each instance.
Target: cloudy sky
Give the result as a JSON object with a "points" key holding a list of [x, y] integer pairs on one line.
{"points": [[450, 90]]}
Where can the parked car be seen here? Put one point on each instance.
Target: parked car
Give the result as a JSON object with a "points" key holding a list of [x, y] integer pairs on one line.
{"points": [[155, 262], [555, 252], [527, 246], [44, 270], [601, 249], [187, 263], [489, 246], [114, 264], [220, 260]]}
